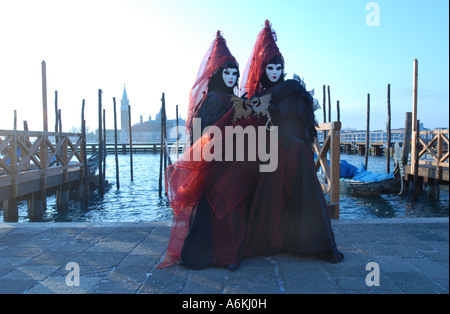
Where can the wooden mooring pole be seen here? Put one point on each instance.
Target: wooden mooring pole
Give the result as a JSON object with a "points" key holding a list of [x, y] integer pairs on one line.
{"points": [[104, 144], [131, 142], [35, 210], [165, 137], [115, 145], [56, 121], [324, 105], [100, 144], [388, 130], [44, 95], [331, 164], [62, 194], [44, 148], [10, 210], [414, 113], [59, 191], [329, 104], [85, 187], [162, 150], [417, 179], [178, 134], [324, 109], [338, 109], [335, 135], [406, 146], [366, 153], [415, 132]]}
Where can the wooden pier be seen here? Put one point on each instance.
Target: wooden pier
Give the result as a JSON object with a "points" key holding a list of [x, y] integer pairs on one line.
{"points": [[31, 166], [330, 185], [355, 147], [143, 148], [428, 165], [430, 153], [429, 159]]}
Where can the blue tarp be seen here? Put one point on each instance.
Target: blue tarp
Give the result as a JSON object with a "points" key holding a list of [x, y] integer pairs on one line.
{"points": [[359, 174], [347, 170], [8, 161], [367, 176]]}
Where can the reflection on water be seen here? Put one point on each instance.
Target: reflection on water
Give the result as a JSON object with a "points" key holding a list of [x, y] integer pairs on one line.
{"points": [[136, 200], [139, 200], [392, 206]]}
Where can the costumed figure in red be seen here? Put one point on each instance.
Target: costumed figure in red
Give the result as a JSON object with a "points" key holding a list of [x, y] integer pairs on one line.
{"points": [[289, 211], [209, 220]]}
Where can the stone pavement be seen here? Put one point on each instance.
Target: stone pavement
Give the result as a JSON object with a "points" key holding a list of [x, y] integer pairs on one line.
{"points": [[411, 256]]}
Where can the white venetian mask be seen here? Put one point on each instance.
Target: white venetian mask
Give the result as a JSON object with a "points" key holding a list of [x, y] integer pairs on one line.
{"points": [[274, 72], [230, 76]]}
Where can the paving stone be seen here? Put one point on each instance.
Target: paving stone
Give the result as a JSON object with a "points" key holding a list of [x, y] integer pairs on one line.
{"points": [[58, 285], [412, 255], [33, 272]]}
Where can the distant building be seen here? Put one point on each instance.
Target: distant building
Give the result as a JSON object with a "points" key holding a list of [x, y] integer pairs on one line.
{"points": [[377, 136], [124, 109], [145, 131], [150, 131]]}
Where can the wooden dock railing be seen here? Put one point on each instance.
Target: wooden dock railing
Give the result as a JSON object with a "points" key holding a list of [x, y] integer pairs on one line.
{"points": [[433, 157], [30, 163], [331, 144], [26, 150]]}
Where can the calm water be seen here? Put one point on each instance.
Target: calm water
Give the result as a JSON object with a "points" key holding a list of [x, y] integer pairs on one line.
{"points": [[138, 200]]}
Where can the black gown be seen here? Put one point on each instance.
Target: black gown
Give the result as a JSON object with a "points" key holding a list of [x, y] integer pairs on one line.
{"points": [[211, 240], [289, 211]]}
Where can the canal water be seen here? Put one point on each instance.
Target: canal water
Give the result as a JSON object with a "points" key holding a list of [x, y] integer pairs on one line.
{"points": [[138, 200]]}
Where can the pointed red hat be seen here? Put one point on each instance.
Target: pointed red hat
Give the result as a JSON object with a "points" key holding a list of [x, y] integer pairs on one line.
{"points": [[264, 50], [216, 56]]}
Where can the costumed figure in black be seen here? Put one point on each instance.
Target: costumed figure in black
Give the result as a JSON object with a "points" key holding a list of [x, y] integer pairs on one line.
{"points": [[289, 211], [208, 226]]}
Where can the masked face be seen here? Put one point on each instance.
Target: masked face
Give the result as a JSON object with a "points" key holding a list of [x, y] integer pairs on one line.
{"points": [[230, 76], [274, 72]]}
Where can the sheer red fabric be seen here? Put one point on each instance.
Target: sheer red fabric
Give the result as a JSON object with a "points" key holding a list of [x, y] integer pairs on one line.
{"points": [[226, 185], [185, 182], [264, 50], [217, 55], [187, 178]]}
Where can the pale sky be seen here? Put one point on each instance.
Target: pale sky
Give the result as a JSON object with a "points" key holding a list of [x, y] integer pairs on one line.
{"points": [[157, 46]]}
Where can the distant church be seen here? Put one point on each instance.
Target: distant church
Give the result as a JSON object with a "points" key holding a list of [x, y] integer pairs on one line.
{"points": [[124, 117], [146, 131]]}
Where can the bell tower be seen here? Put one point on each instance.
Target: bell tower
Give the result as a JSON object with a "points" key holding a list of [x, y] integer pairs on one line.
{"points": [[124, 115]]}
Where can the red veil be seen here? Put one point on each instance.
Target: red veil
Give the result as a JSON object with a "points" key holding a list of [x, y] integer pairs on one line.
{"points": [[264, 50], [226, 184], [185, 181], [217, 55]]}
